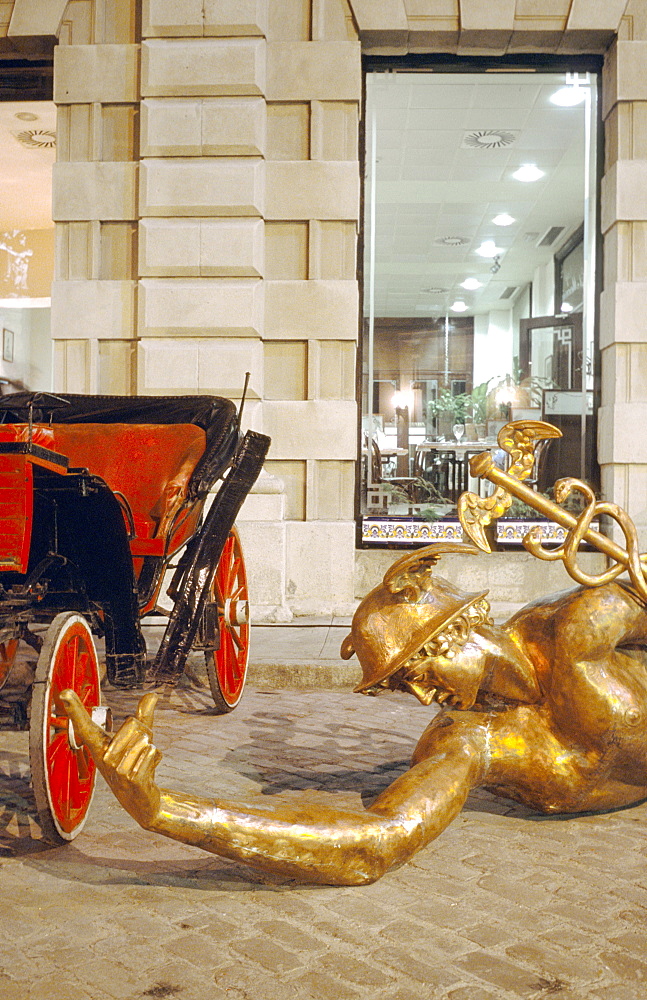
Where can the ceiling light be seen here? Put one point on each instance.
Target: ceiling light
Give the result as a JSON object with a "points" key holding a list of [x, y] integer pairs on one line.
{"points": [[570, 95], [503, 220], [459, 306], [471, 284], [566, 307], [488, 248], [528, 172], [26, 116]]}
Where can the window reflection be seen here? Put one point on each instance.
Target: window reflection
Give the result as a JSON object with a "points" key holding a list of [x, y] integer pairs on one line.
{"points": [[479, 263]]}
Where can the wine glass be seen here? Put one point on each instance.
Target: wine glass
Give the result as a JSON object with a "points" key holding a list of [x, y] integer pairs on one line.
{"points": [[458, 430]]}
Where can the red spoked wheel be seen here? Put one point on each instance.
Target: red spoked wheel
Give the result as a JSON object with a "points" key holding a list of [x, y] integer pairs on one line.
{"points": [[227, 665], [63, 772]]}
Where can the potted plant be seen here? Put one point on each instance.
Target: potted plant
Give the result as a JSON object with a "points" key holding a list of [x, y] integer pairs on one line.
{"points": [[447, 411]]}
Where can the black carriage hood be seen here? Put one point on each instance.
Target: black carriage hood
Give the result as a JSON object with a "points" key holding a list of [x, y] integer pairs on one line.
{"points": [[216, 415]]}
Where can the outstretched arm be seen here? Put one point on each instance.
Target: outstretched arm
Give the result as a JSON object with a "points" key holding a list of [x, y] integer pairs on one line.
{"points": [[308, 841]]}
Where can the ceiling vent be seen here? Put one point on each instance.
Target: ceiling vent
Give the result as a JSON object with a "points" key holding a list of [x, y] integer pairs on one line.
{"points": [[36, 138], [451, 241], [509, 292], [435, 291], [489, 138], [550, 236]]}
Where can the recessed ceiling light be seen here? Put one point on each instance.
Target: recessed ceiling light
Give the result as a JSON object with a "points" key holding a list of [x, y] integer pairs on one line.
{"points": [[567, 307], [471, 284], [503, 219], [26, 116], [528, 172], [488, 249], [459, 306], [570, 95]]}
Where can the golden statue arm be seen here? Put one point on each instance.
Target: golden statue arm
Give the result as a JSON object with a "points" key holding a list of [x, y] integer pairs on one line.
{"points": [[309, 842]]}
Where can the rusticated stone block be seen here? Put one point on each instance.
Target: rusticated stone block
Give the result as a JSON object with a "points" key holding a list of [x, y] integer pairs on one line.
{"points": [[323, 71], [104, 308], [200, 67], [206, 364], [186, 307], [87, 73], [202, 186], [312, 190], [219, 126], [105, 191], [207, 247], [235, 17], [320, 310], [295, 428]]}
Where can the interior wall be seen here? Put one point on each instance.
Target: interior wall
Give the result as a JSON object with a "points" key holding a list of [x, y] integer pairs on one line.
{"points": [[32, 348]]}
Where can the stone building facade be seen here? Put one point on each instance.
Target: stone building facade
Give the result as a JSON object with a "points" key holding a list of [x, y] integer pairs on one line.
{"points": [[207, 207]]}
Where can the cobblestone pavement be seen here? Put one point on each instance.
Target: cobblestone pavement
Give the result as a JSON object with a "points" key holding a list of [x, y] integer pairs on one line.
{"points": [[504, 905]]}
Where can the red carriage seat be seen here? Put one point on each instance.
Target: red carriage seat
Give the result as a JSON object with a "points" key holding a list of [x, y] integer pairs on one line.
{"points": [[150, 464]]}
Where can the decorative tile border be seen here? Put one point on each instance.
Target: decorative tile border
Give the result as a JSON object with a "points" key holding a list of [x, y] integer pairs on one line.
{"points": [[509, 532], [411, 531], [407, 531]]}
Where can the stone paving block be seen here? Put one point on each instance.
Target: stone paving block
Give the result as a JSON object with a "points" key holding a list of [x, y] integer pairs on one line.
{"points": [[65, 987], [107, 975], [268, 954], [353, 970], [344, 933], [292, 937], [319, 986], [404, 963], [471, 993], [497, 972], [573, 969], [10, 989]]}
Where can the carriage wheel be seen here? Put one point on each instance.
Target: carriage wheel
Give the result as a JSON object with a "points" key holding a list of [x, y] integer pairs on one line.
{"points": [[62, 772], [227, 666]]}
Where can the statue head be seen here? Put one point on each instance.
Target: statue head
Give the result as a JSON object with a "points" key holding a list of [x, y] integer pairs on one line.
{"points": [[410, 617]]}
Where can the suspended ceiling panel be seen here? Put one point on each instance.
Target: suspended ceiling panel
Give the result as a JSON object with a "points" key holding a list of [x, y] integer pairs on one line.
{"points": [[446, 147]]}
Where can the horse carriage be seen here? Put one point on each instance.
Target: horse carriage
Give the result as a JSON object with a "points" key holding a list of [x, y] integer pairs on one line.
{"points": [[101, 497]]}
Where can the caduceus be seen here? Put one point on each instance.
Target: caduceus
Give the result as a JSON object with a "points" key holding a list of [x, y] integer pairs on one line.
{"points": [[520, 439]]}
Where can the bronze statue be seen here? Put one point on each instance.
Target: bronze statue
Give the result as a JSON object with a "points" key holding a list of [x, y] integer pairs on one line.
{"points": [[548, 709]]}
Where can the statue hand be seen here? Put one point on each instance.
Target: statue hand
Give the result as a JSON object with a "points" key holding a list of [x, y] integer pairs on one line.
{"points": [[128, 759]]}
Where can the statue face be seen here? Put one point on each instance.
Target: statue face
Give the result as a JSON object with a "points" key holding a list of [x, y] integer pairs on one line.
{"points": [[452, 680]]}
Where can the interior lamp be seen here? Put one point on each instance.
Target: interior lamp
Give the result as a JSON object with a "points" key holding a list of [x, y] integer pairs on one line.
{"points": [[488, 249], [401, 399], [528, 172], [570, 95]]}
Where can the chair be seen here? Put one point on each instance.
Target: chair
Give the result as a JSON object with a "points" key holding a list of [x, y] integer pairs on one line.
{"points": [[443, 470], [406, 483]]}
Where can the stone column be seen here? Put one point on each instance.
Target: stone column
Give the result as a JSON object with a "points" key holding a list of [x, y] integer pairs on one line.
{"points": [[96, 88], [623, 334], [208, 204]]}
